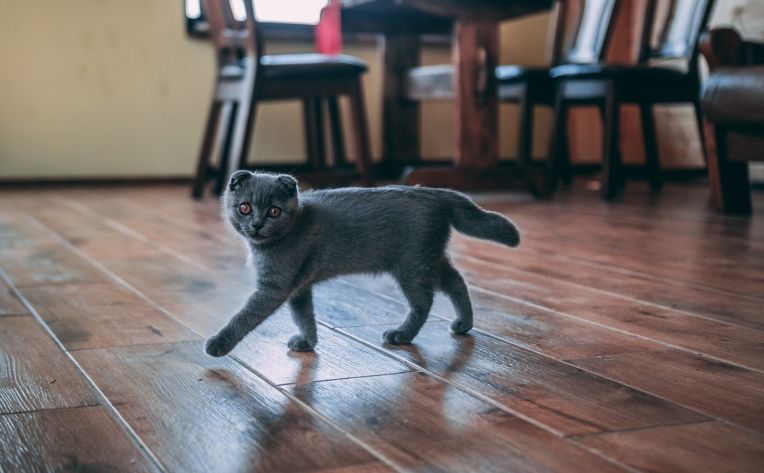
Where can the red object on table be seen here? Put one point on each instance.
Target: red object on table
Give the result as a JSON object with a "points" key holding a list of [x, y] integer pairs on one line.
{"points": [[329, 29]]}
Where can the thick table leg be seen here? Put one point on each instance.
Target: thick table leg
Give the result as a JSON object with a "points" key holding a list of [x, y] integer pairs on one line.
{"points": [[400, 117], [476, 112]]}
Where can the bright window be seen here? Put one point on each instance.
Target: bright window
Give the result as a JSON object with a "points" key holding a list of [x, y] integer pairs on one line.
{"points": [[270, 11]]}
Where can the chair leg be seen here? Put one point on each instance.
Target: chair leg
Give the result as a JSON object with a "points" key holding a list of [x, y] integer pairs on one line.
{"points": [[243, 120], [361, 131], [611, 160], [335, 124], [205, 153], [652, 158], [311, 138], [558, 160], [701, 128], [222, 149], [730, 187], [525, 136]]}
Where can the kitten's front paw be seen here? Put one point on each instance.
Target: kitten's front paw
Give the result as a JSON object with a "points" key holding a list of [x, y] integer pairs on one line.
{"points": [[219, 346], [397, 337], [300, 343]]}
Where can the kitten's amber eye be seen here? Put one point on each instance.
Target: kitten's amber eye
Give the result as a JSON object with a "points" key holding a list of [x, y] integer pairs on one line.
{"points": [[245, 209], [274, 212]]}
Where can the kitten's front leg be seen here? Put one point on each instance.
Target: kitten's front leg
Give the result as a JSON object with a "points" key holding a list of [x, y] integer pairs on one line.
{"points": [[258, 307], [301, 307]]}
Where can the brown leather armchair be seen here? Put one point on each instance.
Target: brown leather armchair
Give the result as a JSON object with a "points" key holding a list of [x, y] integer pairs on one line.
{"points": [[733, 107]]}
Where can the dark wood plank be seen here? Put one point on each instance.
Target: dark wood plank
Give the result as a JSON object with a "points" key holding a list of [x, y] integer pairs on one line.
{"points": [[198, 413], [707, 446], [35, 372], [735, 344], [559, 397], [83, 439], [717, 389], [422, 424], [103, 315]]}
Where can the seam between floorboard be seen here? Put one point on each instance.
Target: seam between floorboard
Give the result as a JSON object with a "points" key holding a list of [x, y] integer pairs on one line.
{"points": [[326, 380], [99, 394], [577, 437], [35, 411], [112, 409]]}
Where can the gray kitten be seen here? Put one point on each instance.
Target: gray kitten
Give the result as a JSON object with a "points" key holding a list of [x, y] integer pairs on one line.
{"points": [[300, 239]]}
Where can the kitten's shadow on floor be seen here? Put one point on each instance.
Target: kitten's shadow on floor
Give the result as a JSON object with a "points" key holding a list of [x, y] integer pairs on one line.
{"points": [[465, 347]]}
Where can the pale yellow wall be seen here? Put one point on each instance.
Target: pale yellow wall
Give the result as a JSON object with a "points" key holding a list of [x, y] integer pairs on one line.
{"points": [[115, 88]]}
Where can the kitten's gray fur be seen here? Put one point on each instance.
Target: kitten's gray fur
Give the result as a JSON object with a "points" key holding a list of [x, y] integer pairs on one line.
{"points": [[322, 234]]}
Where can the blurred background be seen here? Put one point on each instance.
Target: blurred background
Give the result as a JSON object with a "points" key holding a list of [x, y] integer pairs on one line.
{"points": [[114, 88]]}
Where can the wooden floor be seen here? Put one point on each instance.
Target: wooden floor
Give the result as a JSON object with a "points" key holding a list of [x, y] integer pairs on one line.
{"points": [[619, 337]]}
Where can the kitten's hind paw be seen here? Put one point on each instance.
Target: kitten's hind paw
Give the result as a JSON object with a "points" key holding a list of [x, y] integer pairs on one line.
{"points": [[300, 343], [397, 337], [219, 346], [460, 327]]}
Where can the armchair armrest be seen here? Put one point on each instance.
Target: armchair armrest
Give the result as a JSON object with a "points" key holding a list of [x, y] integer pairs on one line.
{"points": [[725, 47], [721, 47]]}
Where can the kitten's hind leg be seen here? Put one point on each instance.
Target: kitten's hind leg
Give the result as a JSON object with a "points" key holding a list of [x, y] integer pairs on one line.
{"points": [[419, 293], [301, 308], [452, 283]]}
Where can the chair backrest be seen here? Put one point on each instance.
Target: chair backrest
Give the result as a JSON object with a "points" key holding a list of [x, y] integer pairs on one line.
{"points": [[672, 29], [233, 27], [590, 30]]}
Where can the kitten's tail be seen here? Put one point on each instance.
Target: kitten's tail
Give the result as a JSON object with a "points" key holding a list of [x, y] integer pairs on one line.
{"points": [[469, 219]]}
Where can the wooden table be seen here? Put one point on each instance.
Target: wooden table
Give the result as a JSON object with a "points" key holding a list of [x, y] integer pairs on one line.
{"points": [[475, 28]]}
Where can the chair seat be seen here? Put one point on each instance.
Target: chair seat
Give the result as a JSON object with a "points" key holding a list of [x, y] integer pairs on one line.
{"points": [[615, 71], [437, 82], [512, 74], [311, 65], [735, 95]]}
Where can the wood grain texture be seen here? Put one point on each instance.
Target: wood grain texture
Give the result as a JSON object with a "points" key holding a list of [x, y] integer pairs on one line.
{"points": [[523, 324], [706, 446], [44, 265], [715, 388], [9, 303], [34, 372], [265, 349], [103, 315], [732, 343], [421, 424], [82, 439], [718, 305], [197, 413], [559, 397]]}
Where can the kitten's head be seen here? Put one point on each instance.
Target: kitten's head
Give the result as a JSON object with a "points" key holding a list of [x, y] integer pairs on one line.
{"points": [[261, 207]]}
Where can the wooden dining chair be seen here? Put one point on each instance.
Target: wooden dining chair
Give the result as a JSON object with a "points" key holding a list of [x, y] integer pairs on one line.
{"points": [[580, 42], [246, 77], [666, 73]]}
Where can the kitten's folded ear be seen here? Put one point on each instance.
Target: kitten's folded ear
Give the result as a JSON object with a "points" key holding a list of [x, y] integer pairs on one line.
{"points": [[287, 183], [237, 178]]}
